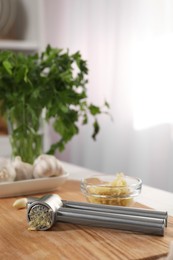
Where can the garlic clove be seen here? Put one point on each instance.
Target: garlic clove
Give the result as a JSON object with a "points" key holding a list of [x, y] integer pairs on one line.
{"points": [[20, 203]]}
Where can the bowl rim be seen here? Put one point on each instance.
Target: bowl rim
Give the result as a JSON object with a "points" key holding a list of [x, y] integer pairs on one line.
{"points": [[136, 185]]}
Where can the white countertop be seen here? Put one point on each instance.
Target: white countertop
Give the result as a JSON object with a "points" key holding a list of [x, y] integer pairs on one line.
{"points": [[152, 197]]}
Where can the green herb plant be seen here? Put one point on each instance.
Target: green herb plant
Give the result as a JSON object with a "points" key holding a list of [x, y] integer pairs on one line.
{"points": [[53, 82]]}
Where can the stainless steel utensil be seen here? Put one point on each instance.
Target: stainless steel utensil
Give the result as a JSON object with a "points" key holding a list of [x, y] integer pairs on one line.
{"points": [[118, 209], [43, 213]]}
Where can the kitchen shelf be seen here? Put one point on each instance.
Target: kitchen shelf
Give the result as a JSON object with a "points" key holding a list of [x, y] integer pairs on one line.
{"points": [[26, 35], [19, 45]]}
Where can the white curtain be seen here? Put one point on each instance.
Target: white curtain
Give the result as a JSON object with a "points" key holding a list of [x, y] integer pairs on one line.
{"points": [[129, 48]]}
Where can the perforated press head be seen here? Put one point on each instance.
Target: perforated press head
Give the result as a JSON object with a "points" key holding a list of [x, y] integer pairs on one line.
{"points": [[41, 213], [40, 217]]}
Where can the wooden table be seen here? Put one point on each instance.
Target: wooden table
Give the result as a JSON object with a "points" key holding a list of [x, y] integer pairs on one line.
{"points": [[68, 241]]}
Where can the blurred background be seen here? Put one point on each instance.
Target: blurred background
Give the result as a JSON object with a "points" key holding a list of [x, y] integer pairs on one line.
{"points": [[128, 45]]}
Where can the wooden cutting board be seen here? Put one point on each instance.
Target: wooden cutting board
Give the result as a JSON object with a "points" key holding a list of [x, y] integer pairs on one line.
{"points": [[68, 241]]}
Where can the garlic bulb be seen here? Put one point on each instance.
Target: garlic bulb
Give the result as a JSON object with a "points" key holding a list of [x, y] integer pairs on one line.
{"points": [[47, 166], [23, 170], [7, 171]]}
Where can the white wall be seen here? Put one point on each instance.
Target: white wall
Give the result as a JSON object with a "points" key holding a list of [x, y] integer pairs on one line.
{"points": [[110, 34]]}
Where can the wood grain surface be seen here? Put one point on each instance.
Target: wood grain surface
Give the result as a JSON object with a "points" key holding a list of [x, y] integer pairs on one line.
{"points": [[68, 241]]}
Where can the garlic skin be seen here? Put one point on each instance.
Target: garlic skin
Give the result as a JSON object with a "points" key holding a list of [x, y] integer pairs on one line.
{"points": [[23, 170], [47, 166], [7, 170]]}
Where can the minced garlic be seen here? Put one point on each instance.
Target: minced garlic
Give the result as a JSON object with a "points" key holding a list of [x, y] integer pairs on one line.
{"points": [[117, 187]]}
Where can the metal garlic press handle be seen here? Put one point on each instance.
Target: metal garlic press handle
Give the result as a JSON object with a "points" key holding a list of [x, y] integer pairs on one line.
{"points": [[109, 220], [44, 212], [111, 209], [117, 209], [132, 218], [90, 218]]}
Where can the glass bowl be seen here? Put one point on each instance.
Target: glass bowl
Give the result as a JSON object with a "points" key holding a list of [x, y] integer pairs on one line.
{"points": [[111, 189]]}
